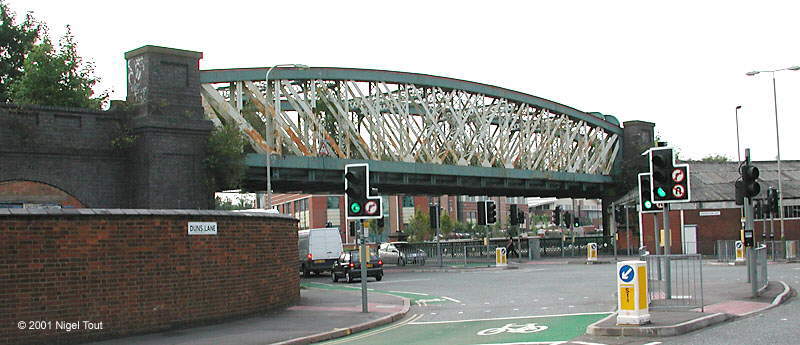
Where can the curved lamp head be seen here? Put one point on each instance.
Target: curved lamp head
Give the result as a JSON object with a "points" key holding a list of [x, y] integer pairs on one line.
{"points": [[738, 107], [794, 68], [752, 73]]}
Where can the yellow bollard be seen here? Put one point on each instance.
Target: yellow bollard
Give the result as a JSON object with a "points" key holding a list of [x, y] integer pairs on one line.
{"points": [[739, 251], [632, 300], [591, 252], [500, 259]]}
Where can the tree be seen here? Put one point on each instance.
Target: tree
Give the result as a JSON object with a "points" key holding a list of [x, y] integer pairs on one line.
{"points": [[16, 42], [716, 159], [225, 161], [419, 229], [57, 77]]}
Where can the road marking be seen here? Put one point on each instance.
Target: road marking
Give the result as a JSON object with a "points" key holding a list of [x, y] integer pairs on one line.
{"points": [[570, 306], [399, 281], [451, 299], [377, 331], [413, 293], [653, 343], [507, 318], [585, 343], [545, 308]]}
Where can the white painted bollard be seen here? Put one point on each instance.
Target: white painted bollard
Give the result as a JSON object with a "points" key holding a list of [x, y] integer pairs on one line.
{"points": [[500, 259], [632, 308], [739, 251], [591, 252]]}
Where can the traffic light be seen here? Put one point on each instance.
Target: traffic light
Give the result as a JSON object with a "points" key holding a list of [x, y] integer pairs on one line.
{"points": [[749, 184], [358, 199], [352, 229], [557, 216], [491, 212], [381, 223], [646, 205], [433, 212], [520, 217], [619, 214], [567, 219], [772, 200], [514, 215], [758, 210], [669, 181], [481, 212]]}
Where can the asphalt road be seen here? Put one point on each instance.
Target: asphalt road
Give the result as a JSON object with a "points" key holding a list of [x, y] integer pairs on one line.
{"points": [[511, 306]]}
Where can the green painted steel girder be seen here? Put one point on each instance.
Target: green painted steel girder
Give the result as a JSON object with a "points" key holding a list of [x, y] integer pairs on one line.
{"points": [[357, 74], [325, 175]]}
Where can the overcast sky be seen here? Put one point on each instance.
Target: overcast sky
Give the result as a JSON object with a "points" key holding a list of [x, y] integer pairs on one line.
{"points": [[680, 64]]}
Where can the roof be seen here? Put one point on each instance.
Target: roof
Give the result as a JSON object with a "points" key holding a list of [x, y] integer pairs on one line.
{"points": [[715, 181]]}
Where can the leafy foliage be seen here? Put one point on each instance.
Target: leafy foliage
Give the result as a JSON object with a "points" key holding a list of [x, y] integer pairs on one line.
{"points": [[58, 77], [716, 159], [228, 205], [16, 42], [419, 229], [225, 160]]}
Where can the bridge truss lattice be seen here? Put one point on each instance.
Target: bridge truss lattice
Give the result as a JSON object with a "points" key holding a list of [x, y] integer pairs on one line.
{"points": [[410, 118]]}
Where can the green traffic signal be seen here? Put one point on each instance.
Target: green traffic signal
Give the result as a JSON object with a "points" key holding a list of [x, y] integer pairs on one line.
{"points": [[355, 207], [661, 192], [647, 204]]}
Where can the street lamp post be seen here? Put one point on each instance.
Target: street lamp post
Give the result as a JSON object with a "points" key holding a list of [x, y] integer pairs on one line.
{"points": [[269, 132], [777, 137], [738, 148]]}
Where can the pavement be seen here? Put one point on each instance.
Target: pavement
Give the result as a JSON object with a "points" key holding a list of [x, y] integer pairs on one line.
{"points": [[325, 313], [319, 315]]}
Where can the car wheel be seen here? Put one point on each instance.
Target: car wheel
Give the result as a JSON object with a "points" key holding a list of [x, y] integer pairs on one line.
{"points": [[379, 277], [306, 272], [422, 262], [401, 262], [334, 277], [349, 277]]}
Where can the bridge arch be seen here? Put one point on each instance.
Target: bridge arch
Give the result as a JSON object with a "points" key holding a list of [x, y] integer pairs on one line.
{"points": [[15, 193]]}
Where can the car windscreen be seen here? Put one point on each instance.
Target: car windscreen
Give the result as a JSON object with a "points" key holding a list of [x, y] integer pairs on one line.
{"points": [[355, 258]]}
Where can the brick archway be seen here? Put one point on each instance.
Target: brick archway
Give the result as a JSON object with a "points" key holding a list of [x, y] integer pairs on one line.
{"points": [[19, 193]]}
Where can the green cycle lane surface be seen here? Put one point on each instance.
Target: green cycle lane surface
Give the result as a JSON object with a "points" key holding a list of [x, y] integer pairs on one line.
{"points": [[515, 330], [414, 297]]}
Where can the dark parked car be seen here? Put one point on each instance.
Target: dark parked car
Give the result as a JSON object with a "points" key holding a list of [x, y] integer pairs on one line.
{"points": [[349, 267]]}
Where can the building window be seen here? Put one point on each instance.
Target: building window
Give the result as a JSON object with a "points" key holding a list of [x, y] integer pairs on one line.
{"points": [[792, 211], [333, 202], [408, 201]]}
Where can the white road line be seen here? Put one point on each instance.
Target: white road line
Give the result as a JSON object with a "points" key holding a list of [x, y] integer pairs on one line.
{"points": [[413, 293], [585, 343], [653, 343], [377, 331], [508, 318], [451, 299], [399, 281]]}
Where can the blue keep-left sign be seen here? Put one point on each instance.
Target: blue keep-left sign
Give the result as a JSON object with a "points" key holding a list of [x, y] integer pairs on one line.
{"points": [[626, 273]]}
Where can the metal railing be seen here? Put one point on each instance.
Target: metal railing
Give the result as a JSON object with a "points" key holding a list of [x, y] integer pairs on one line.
{"points": [[725, 250], [761, 269], [479, 255], [685, 288]]}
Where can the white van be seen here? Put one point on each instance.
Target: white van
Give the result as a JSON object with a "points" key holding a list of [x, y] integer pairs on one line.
{"points": [[319, 249]]}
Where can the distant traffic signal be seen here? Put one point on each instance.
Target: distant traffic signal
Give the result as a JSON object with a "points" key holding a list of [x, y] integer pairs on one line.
{"points": [[557, 216], [567, 219], [749, 176], [360, 204], [481, 212], [646, 204], [772, 200], [513, 215], [491, 212], [433, 211]]}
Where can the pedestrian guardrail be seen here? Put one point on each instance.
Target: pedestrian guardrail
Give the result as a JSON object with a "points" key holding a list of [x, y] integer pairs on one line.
{"points": [[479, 254], [683, 289], [725, 250]]}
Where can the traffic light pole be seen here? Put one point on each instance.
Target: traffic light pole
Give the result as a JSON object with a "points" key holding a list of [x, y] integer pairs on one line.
{"points": [[667, 264], [627, 231], [438, 230], [364, 260]]}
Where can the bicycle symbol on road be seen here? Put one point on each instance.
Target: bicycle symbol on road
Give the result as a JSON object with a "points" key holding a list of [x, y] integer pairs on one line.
{"points": [[514, 328]]}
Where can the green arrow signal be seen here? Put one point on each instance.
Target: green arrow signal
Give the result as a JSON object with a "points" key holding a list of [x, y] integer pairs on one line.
{"points": [[355, 207], [661, 192]]}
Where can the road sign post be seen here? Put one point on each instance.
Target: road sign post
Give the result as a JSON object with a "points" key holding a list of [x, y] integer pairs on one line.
{"points": [[632, 308]]}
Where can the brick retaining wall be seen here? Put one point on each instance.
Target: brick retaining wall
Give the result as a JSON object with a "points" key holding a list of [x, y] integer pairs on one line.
{"points": [[138, 270]]}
